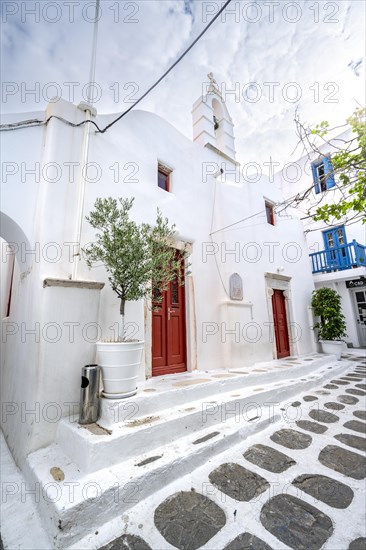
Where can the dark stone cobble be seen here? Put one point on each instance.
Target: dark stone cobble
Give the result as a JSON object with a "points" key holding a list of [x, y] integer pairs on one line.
{"points": [[296, 523], [268, 458], [149, 460], [352, 441], [205, 438], [355, 391], [343, 461], [310, 426], [332, 492], [127, 542], [323, 416], [188, 520], [291, 439], [334, 406], [358, 544], [238, 482], [347, 399], [247, 541], [356, 426]]}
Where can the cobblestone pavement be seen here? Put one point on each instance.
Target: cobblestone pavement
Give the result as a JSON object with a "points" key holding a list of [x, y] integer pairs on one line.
{"points": [[299, 484]]}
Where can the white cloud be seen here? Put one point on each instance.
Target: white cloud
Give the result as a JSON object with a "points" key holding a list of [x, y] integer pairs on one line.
{"points": [[321, 53]]}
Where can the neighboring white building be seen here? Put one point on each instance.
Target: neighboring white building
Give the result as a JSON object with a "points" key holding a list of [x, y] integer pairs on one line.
{"points": [[60, 308], [337, 252]]}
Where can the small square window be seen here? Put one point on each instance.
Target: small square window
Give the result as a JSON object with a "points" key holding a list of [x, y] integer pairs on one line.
{"points": [[323, 174], [164, 177], [269, 213]]}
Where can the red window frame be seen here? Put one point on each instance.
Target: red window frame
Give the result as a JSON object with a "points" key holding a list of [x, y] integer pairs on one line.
{"points": [[164, 172], [269, 213]]}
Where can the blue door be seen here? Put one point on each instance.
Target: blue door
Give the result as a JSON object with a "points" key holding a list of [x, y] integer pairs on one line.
{"points": [[336, 249]]}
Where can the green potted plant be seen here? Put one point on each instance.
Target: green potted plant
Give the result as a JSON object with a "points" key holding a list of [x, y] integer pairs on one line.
{"points": [[136, 258], [326, 304]]}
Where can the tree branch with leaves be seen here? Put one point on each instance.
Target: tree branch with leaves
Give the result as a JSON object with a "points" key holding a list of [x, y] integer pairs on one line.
{"points": [[137, 257], [348, 160]]}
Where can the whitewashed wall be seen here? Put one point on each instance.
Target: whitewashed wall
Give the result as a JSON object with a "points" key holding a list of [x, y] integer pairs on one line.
{"points": [[44, 371]]}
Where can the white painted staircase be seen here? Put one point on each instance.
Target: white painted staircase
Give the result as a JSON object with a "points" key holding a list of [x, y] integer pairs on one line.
{"points": [[171, 427]]}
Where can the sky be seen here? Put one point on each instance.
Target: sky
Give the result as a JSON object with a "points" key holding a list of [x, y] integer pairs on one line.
{"points": [[276, 57]]}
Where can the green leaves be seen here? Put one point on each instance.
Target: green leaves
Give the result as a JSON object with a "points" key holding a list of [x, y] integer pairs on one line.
{"points": [[321, 129], [133, 254], [349, 168], [327, 305]]}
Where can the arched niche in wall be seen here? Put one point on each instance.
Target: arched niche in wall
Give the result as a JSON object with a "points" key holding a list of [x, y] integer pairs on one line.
{"points": [[236, 287], [14, 235]]}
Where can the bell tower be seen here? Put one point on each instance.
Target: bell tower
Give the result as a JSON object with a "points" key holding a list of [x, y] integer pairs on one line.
{"points": [[212, 123]]}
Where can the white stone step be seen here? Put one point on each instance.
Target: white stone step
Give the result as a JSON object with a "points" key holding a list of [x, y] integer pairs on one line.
{"points": [[157, 394], [136, 435], [70, 512], [105, 475]]}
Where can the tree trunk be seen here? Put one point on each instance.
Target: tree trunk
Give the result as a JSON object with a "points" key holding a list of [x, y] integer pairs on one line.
{"points": [[122, 324]]}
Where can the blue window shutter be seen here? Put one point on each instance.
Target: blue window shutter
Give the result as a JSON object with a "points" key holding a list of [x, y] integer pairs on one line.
{"points": [[315, 177], [328, 168]]}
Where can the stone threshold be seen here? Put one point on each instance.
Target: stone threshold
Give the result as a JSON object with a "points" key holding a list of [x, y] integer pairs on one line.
{"points": [[188, 386]]}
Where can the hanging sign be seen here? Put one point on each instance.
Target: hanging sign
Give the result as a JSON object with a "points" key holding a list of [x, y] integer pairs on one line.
{"points": [[356, 283]]}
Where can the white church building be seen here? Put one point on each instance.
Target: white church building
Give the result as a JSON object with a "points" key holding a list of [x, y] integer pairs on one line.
{"points": [[246, 300]]}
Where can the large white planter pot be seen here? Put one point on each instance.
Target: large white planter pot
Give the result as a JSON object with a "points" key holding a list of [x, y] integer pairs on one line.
{"points": [[333, 347], [120, 364]]}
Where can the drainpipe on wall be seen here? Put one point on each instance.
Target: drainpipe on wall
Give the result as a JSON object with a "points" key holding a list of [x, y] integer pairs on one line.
{"points": [[89, 112], [81, 187]]}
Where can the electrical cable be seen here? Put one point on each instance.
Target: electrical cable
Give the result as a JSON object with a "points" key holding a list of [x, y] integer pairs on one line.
{"points": [[27, 123], [35, 122], [236, 223], [346, 223], [170, 68]]}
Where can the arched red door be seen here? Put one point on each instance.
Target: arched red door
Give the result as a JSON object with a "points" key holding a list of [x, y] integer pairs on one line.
{"points": [[280, 324]]}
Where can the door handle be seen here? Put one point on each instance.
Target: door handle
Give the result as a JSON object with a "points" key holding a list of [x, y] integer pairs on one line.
{"points": [[169, 312]]}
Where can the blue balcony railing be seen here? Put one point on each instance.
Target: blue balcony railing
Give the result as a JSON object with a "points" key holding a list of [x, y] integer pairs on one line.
{"points": [[344, 257]]}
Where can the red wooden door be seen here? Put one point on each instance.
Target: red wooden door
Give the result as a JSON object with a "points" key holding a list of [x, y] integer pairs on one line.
{"points": [[280, 324], [168, 332]]}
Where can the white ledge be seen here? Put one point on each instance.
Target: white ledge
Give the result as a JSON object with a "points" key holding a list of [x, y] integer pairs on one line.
{"points": [[67, 283], [237, 303]]}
